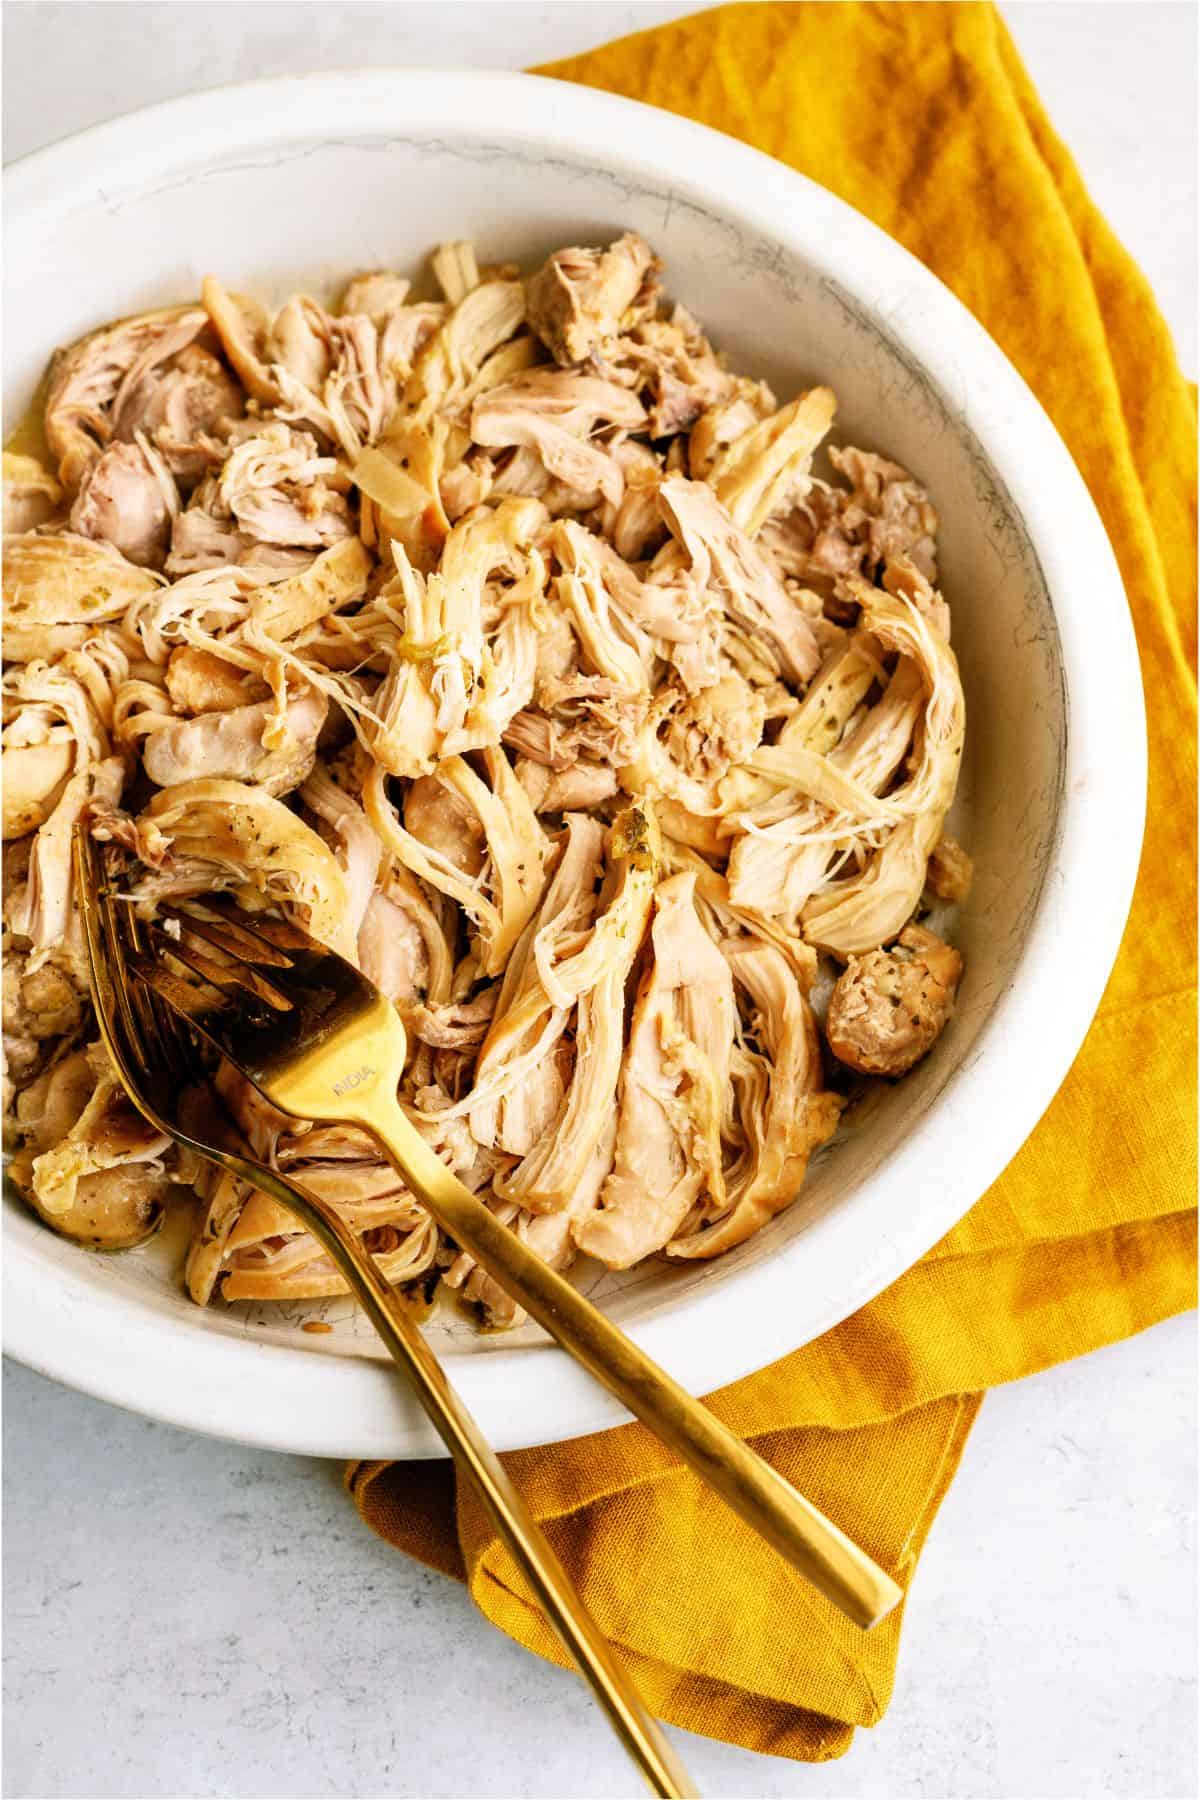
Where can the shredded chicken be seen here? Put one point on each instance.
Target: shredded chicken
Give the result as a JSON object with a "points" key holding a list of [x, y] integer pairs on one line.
{"points": [[579, 299], [32, 495], [950, 870], [529, 657]]}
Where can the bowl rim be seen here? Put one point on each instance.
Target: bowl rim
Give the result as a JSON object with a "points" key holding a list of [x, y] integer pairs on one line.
{"points": [[354, 1406]]}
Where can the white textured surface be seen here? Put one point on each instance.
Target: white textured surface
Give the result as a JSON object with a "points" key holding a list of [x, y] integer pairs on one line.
{"points": [[187, 1619]]}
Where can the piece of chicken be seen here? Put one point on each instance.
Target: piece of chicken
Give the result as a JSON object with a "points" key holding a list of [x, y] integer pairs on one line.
{"points": [[578, 299], [375, 293], [889, 1007], [358, 850], [56, 720], [453, 684], [577, 789], [444, 822], [950, 870], [556, 414], [674, 370], [391, 951], [92, 381], [869, 908], [406, 943], [128, 499], [59, 587], [258, 743], [198, 681], [518, 1086], [278, 488], [43, 1008], [43, 910], [41, 1003], [724, 560], [561, 1162], [92, 1166], [724, 422], [501, 899], [783, 1111], [889, 508], [205, 536], [674, 1091], [690, 742], [275, 501], [243, 327], [886, 515], [830, 760], [607, 646], [768, 467], [32, 496], [185, 410], [246, 835], [482, 322], [461, 1025], [329, 373]]}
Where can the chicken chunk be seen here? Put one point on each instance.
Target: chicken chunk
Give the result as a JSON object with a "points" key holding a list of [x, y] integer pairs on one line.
{"points": [[577, 788], [674, 1089], [92, 380], [578, 298], [885, 517], [889, 1007], [243, 743], [445, 823], [674, 370], [31, 494], [725, 560], [186, 411], [41, 1003], [92, 1166], [200, 682], [128, 499], [950, 870], [555, 415], [58, 588]]}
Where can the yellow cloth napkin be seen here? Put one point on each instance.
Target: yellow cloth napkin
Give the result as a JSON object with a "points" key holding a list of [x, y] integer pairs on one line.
{"points": [[923, 118]]}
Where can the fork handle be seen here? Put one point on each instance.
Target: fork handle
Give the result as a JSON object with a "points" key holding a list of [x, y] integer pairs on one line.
{"points": [[474, 1457], [843, 1572]]}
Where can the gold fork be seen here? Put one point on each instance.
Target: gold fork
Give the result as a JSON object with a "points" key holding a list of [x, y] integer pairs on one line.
{"points": [[319, 1041], [156, 1063]]}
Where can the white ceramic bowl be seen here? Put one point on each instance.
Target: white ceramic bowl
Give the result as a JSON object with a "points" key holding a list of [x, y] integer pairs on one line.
{"points": [[294, 183]]}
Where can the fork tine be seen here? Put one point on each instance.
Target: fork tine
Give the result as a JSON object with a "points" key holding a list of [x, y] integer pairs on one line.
{"points": [[155, 1029], [230, 936], [269, 936], [89, 895], [179, 994], [205, 1014], [115, 1005], [158, 1039], [118, 924], [225, 976], [112, 919]]}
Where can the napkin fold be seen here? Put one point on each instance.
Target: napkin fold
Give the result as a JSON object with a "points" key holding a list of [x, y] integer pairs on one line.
{"points": [[923, 118]]}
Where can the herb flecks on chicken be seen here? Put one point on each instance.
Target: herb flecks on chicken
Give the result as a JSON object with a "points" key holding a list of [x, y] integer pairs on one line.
{"points": [[508, 640]]}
